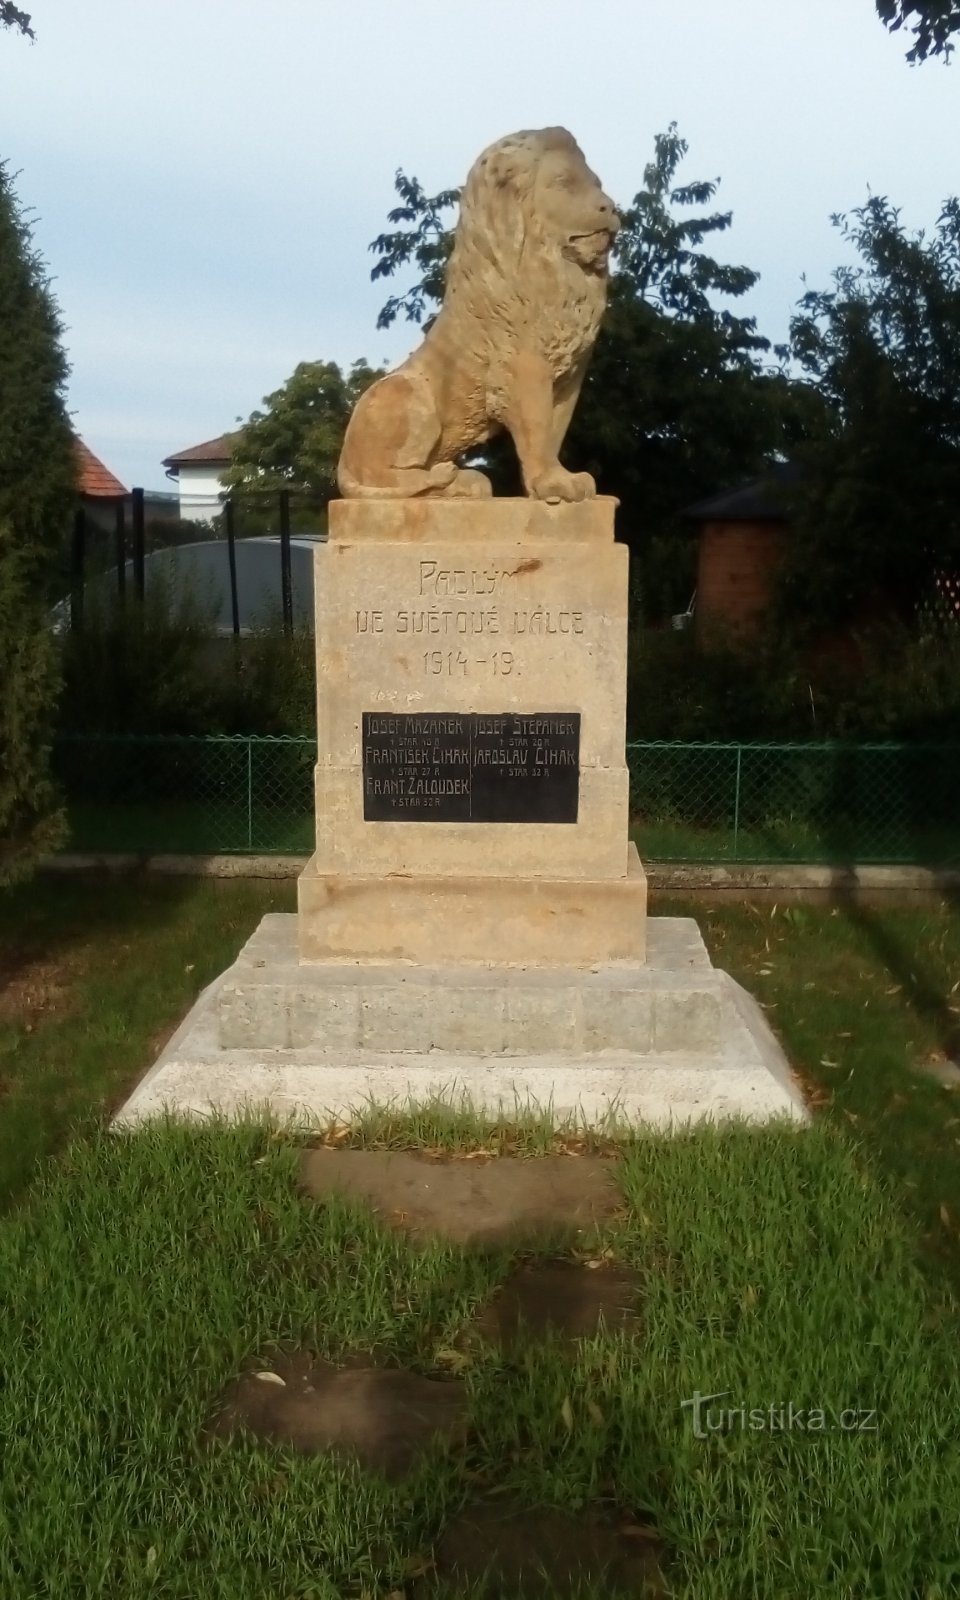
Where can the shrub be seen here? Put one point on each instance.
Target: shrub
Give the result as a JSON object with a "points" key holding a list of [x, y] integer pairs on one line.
{"points": [[140, 668], [36, 490], [893, 683]]}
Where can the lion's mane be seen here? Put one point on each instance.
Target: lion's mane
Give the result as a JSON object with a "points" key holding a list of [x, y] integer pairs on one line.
{"points": [[506, 272]]}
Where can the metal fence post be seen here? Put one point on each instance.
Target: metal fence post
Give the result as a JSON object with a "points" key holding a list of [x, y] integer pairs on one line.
{"points": [[736, 803], [249, 794], [286, 585], [232, 559], [138, 541], [77, 562], [120, 546]]}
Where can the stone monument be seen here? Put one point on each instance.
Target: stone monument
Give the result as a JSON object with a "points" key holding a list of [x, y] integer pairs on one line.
{"points": [[472, 790], [474, 916]]}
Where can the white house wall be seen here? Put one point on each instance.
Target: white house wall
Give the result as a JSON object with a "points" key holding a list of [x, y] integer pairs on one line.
{"points": [[200, 491]]}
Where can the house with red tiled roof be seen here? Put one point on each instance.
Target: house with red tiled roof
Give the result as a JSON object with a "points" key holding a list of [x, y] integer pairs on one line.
{"points": [[198, 473], [94, 480]]}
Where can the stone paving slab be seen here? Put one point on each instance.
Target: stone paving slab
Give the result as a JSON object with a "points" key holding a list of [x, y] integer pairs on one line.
{"points": [[568, 1300], [384, 1417], [482, 1203]]}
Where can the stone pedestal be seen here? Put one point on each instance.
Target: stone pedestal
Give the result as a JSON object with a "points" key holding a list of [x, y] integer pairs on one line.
{"points": [[472, 926], [471, 785]]}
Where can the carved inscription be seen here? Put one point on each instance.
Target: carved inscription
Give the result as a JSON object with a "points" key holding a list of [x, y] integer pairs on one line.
{"points": [[468, 767], [469, 620]]}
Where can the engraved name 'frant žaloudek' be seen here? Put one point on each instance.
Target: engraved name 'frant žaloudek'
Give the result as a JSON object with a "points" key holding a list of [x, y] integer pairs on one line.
{"points": [[507, 767]]}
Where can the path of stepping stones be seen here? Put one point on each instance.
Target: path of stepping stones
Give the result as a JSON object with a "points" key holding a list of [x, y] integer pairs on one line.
{"points": [[385, 1416]]}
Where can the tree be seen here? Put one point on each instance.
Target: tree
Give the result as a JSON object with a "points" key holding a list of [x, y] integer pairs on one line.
{"points": [[294, 443], [677, 400], [877, 515], [683, 397], [36, 491], [12, 17], [932, 23]]}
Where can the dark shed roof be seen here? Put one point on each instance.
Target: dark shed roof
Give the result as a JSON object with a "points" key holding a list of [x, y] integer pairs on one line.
{"points": [[758, 501]]}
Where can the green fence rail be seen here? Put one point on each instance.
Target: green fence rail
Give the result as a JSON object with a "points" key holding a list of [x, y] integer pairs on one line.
{"points": [[810, 803]]}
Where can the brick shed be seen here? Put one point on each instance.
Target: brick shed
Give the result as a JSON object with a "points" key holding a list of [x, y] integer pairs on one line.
{"points": [[742, 541]]}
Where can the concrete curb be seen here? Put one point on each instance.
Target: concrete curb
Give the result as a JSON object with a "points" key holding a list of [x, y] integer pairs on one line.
{"points": [[178, 866], [715, 880]]}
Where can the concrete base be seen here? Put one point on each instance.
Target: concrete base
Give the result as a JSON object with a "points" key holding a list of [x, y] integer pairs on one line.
{"points": [[517, 922], [666, 1044]]}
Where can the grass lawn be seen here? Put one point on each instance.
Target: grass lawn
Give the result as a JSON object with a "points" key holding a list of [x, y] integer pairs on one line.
{"points": [[863, 999], [94, 975], [888, 842], [142, 1273], [139, 1274]]}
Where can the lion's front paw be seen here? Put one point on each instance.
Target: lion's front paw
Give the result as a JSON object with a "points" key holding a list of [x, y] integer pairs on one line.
{"points": [[558, 484]]}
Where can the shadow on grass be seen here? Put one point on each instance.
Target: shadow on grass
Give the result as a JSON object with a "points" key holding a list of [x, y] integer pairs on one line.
{"points": [[95, 973], [56, 913]]}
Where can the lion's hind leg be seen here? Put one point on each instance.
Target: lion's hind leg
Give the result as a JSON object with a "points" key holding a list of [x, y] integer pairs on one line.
{"points": [[389, 440]]}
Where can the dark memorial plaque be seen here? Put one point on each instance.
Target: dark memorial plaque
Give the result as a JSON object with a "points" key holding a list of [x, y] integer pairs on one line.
{"points": [[471, 767]]}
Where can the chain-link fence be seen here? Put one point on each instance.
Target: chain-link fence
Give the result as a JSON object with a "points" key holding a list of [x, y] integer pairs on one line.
{"points": [[211, 795], [870, 803], [813, 803]]}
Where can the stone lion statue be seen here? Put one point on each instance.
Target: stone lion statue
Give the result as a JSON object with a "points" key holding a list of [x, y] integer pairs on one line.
{"points": [[526, 289]]}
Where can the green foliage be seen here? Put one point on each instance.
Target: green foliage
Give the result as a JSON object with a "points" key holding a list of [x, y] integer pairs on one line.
{"points": [[294, 443], [876, 514], [274, 686], [37, 470], [891, 683], [36, 489], [159, 668], [144, 668], [932, 23], [12, 17], [677, 402], [30, 819], [425, 240]]}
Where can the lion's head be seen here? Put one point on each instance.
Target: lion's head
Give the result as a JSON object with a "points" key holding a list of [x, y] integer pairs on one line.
{"points": [[535, 230]]}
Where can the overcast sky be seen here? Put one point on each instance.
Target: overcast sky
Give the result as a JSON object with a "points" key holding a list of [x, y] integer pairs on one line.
{"points": [[207, 174]]}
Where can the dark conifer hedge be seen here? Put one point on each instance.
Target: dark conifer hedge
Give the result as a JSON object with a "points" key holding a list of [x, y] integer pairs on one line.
{"points": [[37, 480]]}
